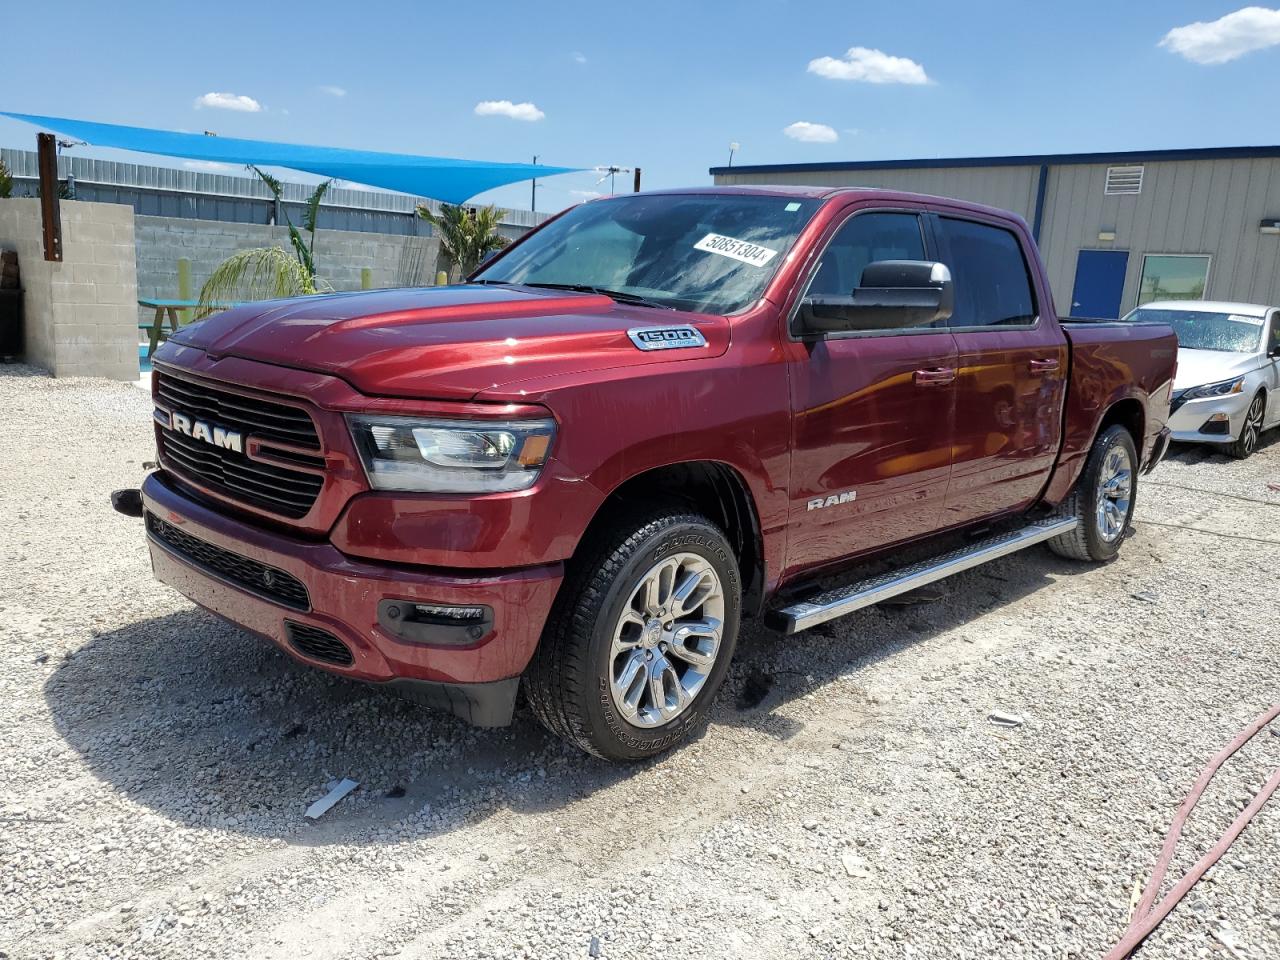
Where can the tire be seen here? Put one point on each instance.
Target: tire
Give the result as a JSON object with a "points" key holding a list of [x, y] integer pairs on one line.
{"points": [[588, 653], [1251, 431], [1100, 531]]}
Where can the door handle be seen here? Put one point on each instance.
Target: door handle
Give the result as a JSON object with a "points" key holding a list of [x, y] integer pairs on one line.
{"points": [[935, 376], [1045, 365]]}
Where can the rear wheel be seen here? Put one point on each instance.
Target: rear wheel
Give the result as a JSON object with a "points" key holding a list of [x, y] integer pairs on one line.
{"points": [[1103, 499], [640, 638], [1251, 432]]}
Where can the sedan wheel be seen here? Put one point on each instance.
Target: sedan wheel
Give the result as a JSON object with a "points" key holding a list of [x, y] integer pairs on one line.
{"points": [[1251, 432]]}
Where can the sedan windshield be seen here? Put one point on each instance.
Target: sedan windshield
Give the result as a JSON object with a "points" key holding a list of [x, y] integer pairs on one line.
{"points": [[709, 253], [1207, 330]]}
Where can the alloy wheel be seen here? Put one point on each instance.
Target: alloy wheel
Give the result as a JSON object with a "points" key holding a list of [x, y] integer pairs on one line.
{"points": [[1252, 426], [1115, 492], [666, 640]]}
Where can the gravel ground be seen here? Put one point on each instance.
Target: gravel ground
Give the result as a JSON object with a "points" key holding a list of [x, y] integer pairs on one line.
{"points": [[159, 761]]}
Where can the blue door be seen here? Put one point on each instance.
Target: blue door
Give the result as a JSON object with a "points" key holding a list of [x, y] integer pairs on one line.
{"points": [[1099, 284]]}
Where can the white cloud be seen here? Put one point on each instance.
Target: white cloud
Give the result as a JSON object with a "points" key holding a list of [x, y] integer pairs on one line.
{"points": [[1224, 39], [206, 166], [811, 132], [333, 91], [585, 194], [579, 57], [228, 101], [505, 108], [869, 66]]}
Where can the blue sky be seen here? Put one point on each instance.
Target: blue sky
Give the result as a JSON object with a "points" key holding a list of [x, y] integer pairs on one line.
{"points": [[663, 85]]}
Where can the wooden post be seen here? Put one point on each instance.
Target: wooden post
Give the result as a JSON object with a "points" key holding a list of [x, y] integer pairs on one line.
{"points": [[366, 278], [184, 285], [50, 214], [637, 184]]}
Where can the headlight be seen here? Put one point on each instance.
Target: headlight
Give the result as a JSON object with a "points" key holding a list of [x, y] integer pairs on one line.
{"points": [[451, 456], [1223, 389]]}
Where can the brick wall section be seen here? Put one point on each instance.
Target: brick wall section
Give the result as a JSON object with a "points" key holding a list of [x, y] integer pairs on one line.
{"points": [[396, 261], [81, 313]]}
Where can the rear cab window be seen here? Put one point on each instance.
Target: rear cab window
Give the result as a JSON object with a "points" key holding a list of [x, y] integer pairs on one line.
{"points": [[990, 275]]}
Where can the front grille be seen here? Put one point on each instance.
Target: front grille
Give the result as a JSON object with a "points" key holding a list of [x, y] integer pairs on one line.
{"points": [[277, 489], [258, 578], [318, 644]]}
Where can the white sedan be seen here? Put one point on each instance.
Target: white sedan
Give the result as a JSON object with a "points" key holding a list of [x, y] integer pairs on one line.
{"points": [[1227, 390]]}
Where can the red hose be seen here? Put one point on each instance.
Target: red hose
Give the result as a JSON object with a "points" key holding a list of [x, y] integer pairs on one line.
{"points": [[1149, 914]]}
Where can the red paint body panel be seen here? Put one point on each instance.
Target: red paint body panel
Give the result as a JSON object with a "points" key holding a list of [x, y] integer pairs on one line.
{"points": [[796, 420], [345, 594]]}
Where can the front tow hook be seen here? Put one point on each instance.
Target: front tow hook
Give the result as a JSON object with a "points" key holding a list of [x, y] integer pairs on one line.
{"points": [[128, 502]]}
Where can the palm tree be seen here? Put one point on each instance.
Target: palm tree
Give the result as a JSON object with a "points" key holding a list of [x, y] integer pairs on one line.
{"points": [[264, 273], [465, 234]]}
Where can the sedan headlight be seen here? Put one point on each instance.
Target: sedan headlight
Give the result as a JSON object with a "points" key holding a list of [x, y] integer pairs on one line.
{"points": [[1223, 389], [451, 456]]}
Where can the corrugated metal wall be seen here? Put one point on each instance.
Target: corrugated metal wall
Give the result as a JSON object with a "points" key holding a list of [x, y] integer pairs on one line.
{"points": [[1009, 188], [197, 195], [1190, 206], [1186, 206]]}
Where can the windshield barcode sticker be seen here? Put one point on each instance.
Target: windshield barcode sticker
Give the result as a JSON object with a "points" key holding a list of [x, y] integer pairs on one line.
{"points": [[1241, 318], [740, 250]]}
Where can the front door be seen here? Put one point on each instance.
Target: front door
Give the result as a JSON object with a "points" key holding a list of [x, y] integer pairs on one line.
{"points": [[872, 412], [1099, 284], [1012, 373]]}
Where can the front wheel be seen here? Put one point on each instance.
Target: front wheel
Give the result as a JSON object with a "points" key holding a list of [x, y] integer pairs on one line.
{"points": [[640, 637], [1251, 432], [1103, 499]]}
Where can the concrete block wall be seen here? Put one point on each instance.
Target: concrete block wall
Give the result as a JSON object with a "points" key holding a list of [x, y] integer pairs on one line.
{"points": [[340, 255], [81, 313]]}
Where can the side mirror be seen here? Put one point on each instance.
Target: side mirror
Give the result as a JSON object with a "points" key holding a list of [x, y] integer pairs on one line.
{"points": [[892, 295]]}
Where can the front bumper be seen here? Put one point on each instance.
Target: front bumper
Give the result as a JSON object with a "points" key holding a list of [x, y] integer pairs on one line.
{"points": [[1211, 419], [476, 680]]}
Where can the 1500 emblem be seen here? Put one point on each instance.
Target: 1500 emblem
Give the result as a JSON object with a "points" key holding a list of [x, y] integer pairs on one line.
{"points": [[818, 503], [666, 338], [210, 433]]}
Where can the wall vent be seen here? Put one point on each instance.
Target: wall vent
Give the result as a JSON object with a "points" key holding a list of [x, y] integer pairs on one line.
{"points": [[1121, 180]]}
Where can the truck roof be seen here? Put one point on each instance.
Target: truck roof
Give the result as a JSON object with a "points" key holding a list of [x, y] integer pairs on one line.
{"points": [[826, 193]]}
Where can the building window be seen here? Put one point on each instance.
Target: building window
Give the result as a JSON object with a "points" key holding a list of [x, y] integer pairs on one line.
{"points": [[1167, 276], [1121, 180]]}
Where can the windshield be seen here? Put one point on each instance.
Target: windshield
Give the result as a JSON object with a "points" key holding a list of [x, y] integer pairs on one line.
{"points": [[1206, 330], [709, 253]]}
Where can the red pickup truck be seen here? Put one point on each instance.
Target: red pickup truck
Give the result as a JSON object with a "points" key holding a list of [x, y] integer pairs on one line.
{"points": [[649, 418]]}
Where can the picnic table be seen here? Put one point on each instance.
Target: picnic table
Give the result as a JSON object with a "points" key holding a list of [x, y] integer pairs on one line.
{"points": [[170, 309]]}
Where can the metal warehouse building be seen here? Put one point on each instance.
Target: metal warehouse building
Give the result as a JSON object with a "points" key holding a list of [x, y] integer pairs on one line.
{"points": [[1115, 229]]}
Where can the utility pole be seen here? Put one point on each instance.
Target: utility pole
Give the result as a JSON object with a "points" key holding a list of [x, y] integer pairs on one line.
{"points": [[533, 190], [637, 183]]}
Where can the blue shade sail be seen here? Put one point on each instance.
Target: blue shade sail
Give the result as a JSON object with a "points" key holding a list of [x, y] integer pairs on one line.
{"points": [[441, 178]]}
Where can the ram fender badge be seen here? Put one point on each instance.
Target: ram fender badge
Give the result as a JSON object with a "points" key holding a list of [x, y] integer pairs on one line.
{"points": [[818, 503], [666, 338]]}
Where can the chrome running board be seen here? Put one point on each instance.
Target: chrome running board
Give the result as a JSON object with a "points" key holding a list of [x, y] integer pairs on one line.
{"points": [[865, 593]]}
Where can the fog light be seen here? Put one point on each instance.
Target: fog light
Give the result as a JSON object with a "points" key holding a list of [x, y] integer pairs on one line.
{"points": [[436, 623]]}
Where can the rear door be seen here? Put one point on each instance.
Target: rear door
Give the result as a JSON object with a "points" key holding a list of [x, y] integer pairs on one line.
{"points": [[872, 410], [1012, 370]]}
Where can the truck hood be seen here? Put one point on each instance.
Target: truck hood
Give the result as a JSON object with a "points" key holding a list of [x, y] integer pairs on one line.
{"points": [[1197, 367], [446, 343]]}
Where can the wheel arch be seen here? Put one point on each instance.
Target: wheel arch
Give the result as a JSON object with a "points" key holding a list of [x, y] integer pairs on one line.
{"points": [[714, 488], [1130, 414]]}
